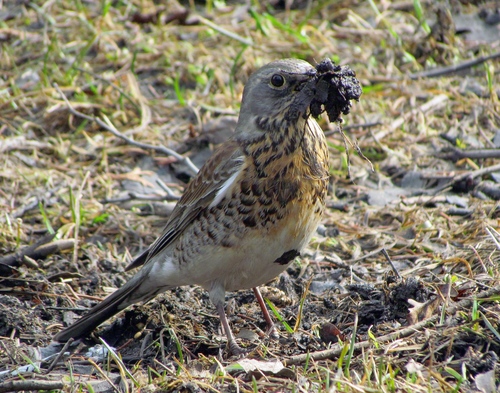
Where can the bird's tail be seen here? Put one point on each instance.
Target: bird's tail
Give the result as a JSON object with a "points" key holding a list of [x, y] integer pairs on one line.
{"points": [[114, 303]]}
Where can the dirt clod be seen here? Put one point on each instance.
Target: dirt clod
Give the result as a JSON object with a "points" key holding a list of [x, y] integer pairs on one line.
{"points": [[336, 87]]}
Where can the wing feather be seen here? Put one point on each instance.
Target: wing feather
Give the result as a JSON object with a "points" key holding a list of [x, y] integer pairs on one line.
{"points": [[210, 183]]}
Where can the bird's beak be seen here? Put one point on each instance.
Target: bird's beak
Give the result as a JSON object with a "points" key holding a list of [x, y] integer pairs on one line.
{"points": [[306, 92], [305, 79]]}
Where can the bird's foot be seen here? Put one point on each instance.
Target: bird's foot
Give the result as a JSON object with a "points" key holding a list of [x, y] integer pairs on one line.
{"points": [[236, 350], [272, 332]]}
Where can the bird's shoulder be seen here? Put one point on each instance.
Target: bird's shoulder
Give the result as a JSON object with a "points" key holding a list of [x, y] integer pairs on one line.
{"points": [[202, 189]]}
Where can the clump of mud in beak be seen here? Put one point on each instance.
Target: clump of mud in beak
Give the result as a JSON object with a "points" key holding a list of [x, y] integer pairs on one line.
{"points": [[334, 88]]}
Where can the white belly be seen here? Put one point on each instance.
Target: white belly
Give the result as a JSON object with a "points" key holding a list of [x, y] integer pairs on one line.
{"points": [[252, 261], [249, 263]]}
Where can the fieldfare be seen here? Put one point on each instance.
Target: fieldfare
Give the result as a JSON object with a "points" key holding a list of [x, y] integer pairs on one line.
{"points": [[250, 210]]}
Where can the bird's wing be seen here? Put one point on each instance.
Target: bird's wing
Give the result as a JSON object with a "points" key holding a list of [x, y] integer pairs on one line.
{"points": [[204, 191]]}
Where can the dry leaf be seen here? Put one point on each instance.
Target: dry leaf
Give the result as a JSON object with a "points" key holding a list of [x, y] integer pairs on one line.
{"points": [[421, 311]]}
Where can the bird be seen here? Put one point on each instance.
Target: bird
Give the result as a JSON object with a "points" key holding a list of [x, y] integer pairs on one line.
{"points": [[250, 210]]}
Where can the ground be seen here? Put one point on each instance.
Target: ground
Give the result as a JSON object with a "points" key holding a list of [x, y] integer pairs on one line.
{"points": [[398, 289]]}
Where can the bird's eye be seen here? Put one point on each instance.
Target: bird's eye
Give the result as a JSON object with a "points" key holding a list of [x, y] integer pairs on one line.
{"points": [[277, 80]]}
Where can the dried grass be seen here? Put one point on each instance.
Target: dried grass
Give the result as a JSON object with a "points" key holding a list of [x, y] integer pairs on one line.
{"points": [[165, 84]]}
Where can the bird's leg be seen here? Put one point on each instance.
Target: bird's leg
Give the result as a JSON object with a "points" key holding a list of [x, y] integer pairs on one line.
{"points": [[234, 348], [271, 329]]}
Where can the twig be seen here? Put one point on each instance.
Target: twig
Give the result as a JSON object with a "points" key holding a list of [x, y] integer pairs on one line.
{"points": [[348, 157], [453, 68], [170, 194], [386, 255], [140, 197], [40, 249], [31, 385], [59, 355], [354, 145], [336, 350], [11, 291], [360, 153], [463, 176], [457, 154], [51, 248], [459, 211], [109, 127]]}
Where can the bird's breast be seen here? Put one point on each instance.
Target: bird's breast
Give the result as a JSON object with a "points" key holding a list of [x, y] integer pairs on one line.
{"points": [[265, 219], [284, 177]]}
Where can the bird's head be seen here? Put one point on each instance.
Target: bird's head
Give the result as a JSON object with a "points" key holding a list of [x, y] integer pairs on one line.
{"points": [[276, 97]]}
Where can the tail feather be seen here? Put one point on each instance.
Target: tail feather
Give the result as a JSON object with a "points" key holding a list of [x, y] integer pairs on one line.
{"points": [[110, 306]]}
